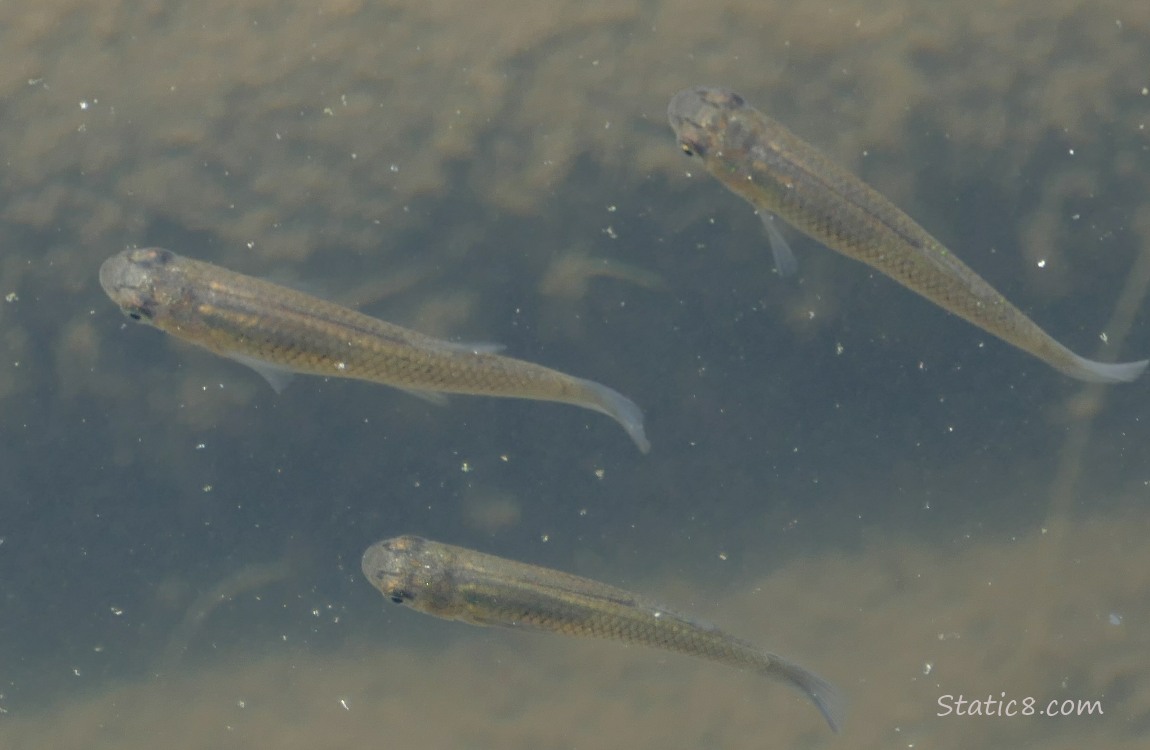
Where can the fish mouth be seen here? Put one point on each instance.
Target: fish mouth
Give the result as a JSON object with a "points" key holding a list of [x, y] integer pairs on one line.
{"points": [[683, 108], [114, 273], [689, 111], [684, 103], [122, 274], [122, 283], [382, 565], [127, 278], [689, 107], [390, 565]]}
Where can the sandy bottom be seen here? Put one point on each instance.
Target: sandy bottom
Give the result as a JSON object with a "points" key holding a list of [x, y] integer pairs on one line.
{"points": [[1053, 616]]}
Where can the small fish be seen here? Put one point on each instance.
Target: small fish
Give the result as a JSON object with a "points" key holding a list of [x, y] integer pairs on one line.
{"points": [[279, 331], [460, 584], [779, 173]]}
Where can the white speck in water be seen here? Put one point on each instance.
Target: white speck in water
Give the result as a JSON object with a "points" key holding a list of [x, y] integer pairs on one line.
{"points": [[1115, 618], [927, 668], [1042, 263]]}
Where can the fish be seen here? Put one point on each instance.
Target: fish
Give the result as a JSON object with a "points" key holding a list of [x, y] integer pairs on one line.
{"points": [[456, 583], [780, 174], [280, 331]]}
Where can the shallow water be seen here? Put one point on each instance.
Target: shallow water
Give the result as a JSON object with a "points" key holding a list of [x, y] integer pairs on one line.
{"points": [[839, 471]]}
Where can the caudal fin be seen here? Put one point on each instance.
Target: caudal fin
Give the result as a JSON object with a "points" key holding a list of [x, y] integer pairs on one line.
{"points": [[1104, 372], [823, 694], [620, 408]]}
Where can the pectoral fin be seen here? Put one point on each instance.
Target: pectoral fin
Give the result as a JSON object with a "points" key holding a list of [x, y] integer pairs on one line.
{"points": [[277, 377], [431, 397], [785, 262]]}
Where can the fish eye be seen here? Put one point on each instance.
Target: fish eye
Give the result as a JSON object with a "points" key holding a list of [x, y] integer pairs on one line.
{"points": [[154, 256], [690, 150], [737, 100], [138, 312], [400, 596]]}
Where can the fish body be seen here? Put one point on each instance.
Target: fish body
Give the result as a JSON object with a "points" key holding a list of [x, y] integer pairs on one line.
{"points": [[455, 583], [279, 330], [779, 173]]}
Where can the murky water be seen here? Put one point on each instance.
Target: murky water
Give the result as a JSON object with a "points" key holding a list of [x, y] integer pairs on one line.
{"points": [[839, 471]]}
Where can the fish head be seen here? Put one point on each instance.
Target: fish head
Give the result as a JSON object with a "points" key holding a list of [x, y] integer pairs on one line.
{"points": [[404, 569], [698, 114], [131, 279]]}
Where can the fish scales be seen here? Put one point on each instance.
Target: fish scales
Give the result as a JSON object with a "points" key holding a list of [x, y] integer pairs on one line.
{"points": [[281, 330], [779, 173], [456, 583], [312, 336]]}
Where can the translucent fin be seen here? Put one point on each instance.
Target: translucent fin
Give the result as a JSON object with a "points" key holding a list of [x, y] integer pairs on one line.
{"points": [[431, 397], [824, 695], [1104, 372], [785, 262], [620, 408], [277, 377]]}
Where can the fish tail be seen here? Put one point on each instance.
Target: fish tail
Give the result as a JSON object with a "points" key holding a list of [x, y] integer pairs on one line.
{"points": [[620, 408], [1103, 372], [825, 696]]}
